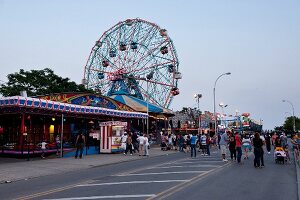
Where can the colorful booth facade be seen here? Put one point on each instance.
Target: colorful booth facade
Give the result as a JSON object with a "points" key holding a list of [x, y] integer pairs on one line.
{"points": [[25, 122]]}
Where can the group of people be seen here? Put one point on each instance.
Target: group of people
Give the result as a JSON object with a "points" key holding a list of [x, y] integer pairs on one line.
{"points": [[133, 143], [237, 144], [187, 143]]}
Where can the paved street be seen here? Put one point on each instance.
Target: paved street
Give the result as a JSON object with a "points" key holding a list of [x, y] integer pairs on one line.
{"points": [[164, 175]]}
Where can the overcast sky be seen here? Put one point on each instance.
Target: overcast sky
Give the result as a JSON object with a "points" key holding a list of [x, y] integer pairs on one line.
{"points": [[257, 41]]}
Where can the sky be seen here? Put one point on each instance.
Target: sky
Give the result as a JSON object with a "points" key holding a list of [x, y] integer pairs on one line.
{"points": [[257, 41]]}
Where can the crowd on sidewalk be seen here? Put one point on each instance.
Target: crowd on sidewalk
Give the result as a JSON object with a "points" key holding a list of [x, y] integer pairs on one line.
{"points": [[135, 143]]}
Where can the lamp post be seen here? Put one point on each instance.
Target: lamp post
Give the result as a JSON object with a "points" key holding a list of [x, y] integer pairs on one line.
{"points": [[197, 97], [228, 73], [222, 105], [294, 121], [147, 79]]}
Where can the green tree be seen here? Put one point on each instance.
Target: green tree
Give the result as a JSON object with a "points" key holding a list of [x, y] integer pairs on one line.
{"points": [[289, 123], [38, 82]]}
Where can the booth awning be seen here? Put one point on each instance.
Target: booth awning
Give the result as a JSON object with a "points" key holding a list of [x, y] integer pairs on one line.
{"points": [[141, 105], [35, 103]]}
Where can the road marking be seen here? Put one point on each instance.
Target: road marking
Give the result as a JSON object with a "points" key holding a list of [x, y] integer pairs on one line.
{"points": [[181, 166], [200, 161], [130, 182], [157, 173], [107, 197], [50, 191], [177, 188]]}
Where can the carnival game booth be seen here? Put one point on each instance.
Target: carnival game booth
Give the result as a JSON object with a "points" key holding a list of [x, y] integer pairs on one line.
{"points": [[25, 122], [111, 132]]}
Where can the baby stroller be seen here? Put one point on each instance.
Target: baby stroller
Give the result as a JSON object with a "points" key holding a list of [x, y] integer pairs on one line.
{"points": [[279, 155], [164, 146]]}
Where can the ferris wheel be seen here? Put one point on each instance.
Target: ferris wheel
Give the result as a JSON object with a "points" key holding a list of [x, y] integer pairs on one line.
{"points": [[134, 57]]}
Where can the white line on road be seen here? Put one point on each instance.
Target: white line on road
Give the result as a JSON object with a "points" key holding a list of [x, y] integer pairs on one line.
{"points": [[157, 173], [107, 197], [200, 161], [130, 182], [183, 166]]}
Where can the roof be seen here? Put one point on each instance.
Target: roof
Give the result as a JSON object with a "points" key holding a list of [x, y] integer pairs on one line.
{"points": [[19, 101]]}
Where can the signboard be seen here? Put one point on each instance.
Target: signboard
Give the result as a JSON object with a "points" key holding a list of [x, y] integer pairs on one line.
{"points": [[113, 123]]}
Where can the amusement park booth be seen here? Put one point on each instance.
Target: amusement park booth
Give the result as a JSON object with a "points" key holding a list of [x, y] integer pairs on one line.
{"points": [[110, 139], [25, 122]]}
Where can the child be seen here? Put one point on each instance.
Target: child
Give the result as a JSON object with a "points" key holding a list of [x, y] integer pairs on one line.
{"points": [[43, 147], [286, 149]]}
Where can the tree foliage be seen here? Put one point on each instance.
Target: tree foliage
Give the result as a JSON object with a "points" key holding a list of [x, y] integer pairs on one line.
{"points": [[38, 82], [289, 123]]}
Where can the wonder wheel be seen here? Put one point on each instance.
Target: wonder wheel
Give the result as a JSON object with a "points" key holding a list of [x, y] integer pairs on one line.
{"points": [[134, 57]]}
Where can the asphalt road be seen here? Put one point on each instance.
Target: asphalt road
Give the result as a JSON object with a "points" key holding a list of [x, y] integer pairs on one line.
{"points": [[175, 176]]}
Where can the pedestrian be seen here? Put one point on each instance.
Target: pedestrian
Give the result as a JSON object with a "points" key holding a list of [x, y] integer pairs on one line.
{"points": [[283, 140], [123, 141], [262, 151], [43, 148], [268, 143], [246, 145], [181, 143], [135, 143], [188, 143], [257, 144], [208, 142], [146, 145], [193, 145], [170, 141], [57, 144], [232, 147], [80, 142], [203, 143], [238, 146], [141, 144], [128, 144], [223, 144]]}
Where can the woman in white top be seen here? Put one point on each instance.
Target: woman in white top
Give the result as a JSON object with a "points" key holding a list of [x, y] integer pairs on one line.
{"points": [[246, 145], [146, 145]]}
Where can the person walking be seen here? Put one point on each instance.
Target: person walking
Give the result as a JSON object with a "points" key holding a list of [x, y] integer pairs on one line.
{"points": [[128, 144], [57, 144], [135, 143], [193, 141], [262, 151], [238, 146], [223, 144], [268, 143], [141, 144], [203, 143], [146, 145], [257, 144], [181, 143], [80, 142], [246, 144], [123, 141], [232, 147], [43, 148], [208, 142]]}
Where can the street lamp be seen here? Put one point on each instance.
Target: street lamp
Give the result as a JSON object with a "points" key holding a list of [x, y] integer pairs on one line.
{"points": [[147, 79], [222, 105], [294, 124], [228, 73], [197, 97]]}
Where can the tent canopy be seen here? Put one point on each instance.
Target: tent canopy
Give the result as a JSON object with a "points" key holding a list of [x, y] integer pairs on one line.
{"points": [[140, 105]]}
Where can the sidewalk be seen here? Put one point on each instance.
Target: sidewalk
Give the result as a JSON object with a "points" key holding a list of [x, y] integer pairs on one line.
{"points": [[20, 170]]}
